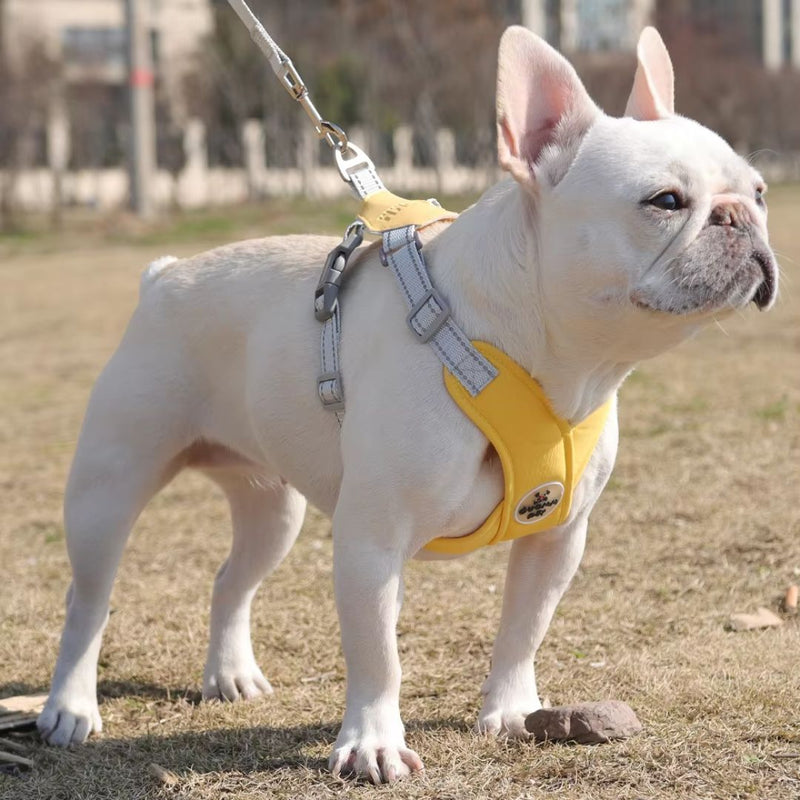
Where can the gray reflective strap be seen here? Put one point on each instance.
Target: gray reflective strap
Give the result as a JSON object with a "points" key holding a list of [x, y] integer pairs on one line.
{"points": [[329, 383], [429, 316]]}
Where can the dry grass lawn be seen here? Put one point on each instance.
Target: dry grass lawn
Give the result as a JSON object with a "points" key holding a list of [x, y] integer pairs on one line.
{"points": [[698, 522]]}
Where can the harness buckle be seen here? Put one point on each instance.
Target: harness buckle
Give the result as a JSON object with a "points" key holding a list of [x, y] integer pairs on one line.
{"points": [[329, 388], [351, 159], [428, 315], [326, 295]]}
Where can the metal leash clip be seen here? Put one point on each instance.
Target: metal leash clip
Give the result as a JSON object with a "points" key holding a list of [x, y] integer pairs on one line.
{"points": [[326, 295]]}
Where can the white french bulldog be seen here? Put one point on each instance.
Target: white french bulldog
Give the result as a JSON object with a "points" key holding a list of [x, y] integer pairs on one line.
{"points": [[617, 239]]}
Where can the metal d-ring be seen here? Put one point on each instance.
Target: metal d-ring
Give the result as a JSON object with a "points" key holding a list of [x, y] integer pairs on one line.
{"points": [[334, 136]]}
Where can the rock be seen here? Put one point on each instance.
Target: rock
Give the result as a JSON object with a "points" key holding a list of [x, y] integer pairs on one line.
{"points": [[763, 618], [790, 599], [585, 723], [166, 777]]}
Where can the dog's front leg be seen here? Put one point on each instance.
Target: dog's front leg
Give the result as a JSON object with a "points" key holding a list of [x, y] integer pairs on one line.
{"points": [[539, 570], [368, 564]]}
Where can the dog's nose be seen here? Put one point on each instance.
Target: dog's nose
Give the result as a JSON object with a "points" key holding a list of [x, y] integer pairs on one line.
{"points": [[729, 213]]}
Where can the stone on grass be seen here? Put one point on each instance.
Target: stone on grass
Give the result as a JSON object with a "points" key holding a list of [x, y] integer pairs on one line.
{"points": [[790, 599], [763, 618], [584, 723]]}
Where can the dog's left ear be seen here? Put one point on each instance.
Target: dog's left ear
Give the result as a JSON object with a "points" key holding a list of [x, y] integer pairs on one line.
{"points": [[541, 103], [653, 93]]}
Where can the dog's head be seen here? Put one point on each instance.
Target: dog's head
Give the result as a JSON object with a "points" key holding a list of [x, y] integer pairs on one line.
{"points": [[650, 214]]}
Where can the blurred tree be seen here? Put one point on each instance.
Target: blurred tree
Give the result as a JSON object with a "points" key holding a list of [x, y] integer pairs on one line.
{"points": [[26, 86], [378, 63], [721, 81], [381, 63]]}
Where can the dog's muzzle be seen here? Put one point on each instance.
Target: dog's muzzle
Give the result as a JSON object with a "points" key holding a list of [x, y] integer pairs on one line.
{"points": [[767, 290]]}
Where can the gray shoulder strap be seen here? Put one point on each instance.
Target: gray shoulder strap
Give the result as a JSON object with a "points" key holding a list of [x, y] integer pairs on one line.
{"points": [[429, 319], [429, 314]]}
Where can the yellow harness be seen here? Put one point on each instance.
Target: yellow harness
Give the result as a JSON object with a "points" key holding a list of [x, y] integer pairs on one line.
{"points": [[543, 457]]}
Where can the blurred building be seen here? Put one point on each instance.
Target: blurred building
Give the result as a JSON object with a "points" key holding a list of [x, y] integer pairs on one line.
{"points": [[593, 25], [770, 28], [87, 37]]}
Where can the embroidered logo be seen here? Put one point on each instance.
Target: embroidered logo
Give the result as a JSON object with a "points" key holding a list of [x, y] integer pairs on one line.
{"points": [[386, 215], [539, 503]]}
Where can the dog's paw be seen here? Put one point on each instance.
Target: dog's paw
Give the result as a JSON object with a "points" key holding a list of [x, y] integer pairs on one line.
{"points": [[376, 762], [244, 683], [508, 698], [62, 723], [504, 723]]}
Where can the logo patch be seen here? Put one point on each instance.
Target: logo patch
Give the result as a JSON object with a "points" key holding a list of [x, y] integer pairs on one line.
{"points": [[539, 503]]}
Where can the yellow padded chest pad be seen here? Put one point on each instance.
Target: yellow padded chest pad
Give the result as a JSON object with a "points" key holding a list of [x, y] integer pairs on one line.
{"points": [[382, 211], [542, 456]]}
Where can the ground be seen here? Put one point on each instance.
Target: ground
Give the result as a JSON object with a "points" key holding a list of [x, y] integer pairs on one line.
{"points": [[699, 521]]}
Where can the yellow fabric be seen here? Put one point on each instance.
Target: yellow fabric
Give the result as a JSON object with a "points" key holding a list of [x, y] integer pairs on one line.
{"points": [[538, 451], [382, 211]]}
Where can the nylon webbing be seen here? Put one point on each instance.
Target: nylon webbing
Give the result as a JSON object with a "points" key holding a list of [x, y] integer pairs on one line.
{"points": [[329, 383], [359, 171], [429, 317]]}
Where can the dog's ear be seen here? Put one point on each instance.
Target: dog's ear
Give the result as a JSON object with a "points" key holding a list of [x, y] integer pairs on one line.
{"points": [[653, 93], [541, 103]]}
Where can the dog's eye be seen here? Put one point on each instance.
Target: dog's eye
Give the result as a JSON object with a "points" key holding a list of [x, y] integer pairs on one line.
{"points": [[760, 196], [667, 201]]}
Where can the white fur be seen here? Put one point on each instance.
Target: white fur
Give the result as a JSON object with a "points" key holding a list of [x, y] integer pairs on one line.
{"points": [[217, 370]]}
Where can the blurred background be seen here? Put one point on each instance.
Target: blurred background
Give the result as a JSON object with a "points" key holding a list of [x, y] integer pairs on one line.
{"points": [[412, 82]]}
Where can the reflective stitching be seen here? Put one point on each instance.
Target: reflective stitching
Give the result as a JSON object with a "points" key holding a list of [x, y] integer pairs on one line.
{"points": [[471, 369]]}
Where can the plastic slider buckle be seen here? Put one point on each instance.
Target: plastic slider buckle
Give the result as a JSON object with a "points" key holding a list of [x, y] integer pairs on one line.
{"points": [[326, 295], [331, 395], [434, 325]]}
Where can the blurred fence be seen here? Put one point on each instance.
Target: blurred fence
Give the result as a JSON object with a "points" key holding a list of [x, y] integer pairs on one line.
{"points": [[199, 184]]}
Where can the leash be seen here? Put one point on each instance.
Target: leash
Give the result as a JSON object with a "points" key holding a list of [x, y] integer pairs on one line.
{"points": [[354, 165], [382, 213]]}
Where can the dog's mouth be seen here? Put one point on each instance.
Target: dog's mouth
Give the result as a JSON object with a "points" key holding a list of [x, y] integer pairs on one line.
{"points": [[722, 270], [767, 290]]}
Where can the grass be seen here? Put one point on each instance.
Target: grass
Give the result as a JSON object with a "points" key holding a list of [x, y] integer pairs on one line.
{"points": [[700, 520]]}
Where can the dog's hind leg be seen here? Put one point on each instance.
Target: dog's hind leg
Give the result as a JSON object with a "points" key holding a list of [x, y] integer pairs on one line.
{"points": [[127, 450], [267, 516]]}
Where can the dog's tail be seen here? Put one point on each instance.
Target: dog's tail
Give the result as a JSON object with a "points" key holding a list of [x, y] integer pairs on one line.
{"points": [[154, 270]]}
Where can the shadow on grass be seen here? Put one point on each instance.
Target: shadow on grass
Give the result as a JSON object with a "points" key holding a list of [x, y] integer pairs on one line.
{"points": [[18, 687], [219, 758], [107, 690]]}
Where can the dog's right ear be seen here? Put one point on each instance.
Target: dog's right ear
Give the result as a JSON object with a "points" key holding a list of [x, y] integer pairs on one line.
{"points": [[653, 93], [541, 103]]}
